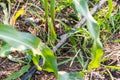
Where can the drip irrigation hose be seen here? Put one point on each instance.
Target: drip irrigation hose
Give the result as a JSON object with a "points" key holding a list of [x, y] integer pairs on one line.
{"points": [[64, 37], [31, 71]]}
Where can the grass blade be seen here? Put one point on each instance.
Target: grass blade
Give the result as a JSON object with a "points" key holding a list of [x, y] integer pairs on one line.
{"points": [[52, 10], [110, 6], [52, 34], [19, 73], [46, 10]]}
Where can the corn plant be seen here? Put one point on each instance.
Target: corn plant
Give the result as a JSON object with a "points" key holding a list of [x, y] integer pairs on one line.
{"points": [[50, 18], [97, 51], [21, 41]]}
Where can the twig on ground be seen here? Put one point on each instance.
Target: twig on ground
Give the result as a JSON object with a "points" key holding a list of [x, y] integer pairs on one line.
{"points": [[64, 38]]}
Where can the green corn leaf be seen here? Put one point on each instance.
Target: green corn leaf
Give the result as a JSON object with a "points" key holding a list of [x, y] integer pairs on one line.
{"points": [[16, 39], [5, 50], [36, 59], [50, 64], [82, 7], [97, 51], [19, 73], [93, 28], [21, 41]]}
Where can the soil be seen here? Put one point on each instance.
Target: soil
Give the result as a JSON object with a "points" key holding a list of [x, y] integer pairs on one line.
{"points": [[111, 51]]}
